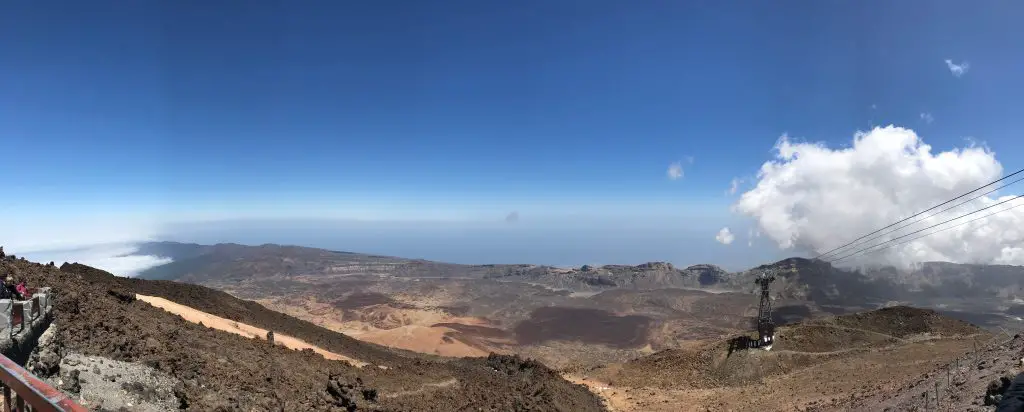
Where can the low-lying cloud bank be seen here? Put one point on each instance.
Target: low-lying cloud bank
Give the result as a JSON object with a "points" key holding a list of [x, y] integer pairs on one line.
{"points": [[101, 239], [119, 259], [813, 198]]}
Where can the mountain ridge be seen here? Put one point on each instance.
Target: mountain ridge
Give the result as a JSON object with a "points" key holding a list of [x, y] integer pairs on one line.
{"points": [[983, 294], [884, 283]]}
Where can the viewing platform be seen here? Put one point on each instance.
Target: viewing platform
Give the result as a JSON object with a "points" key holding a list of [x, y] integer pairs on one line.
{"points": [[21, 324]]}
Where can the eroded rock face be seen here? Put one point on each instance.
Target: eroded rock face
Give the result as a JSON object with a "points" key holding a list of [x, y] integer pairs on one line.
{"points": [[45, 359], [707, 275], [655, 266]]}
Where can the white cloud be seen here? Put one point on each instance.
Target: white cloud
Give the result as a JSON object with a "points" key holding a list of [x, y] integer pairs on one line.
{"points": [[734, 185], [104, 241], [813, 198], [118, 259], [927, 117], [724, 236], [958, 69], [675, 171]]}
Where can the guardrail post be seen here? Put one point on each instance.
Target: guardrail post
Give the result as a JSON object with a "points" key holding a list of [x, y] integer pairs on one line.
{"points": [[17, 317], [6, 326], [27, 316], [48, 292], [40, 298], [34, 309]]}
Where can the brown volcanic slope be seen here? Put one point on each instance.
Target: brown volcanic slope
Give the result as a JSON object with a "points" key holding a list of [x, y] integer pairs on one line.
{"points": [[811, 364], [96, 314], [971, 382]]}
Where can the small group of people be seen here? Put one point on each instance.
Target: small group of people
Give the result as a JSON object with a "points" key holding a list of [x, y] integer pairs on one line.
{"points": [[9, 289]]}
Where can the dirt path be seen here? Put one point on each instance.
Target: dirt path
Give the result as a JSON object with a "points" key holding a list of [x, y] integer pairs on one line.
{"points": [[227, 325], [870, 332], [614, 399], [425, 387], [835, 352]]}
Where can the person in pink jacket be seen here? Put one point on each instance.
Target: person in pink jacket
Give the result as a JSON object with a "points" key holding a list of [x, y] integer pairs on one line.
{"points": [[22, 290]]}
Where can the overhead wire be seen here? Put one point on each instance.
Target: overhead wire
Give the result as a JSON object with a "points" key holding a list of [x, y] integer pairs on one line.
{"points": [[943, 229], [919, 214], [894, 230], [921, 230]]}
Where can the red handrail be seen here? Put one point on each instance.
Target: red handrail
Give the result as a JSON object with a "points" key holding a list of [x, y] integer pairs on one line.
{"points": [[29, 389]]}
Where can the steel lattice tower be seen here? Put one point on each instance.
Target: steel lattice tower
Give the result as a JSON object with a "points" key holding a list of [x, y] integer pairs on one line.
{"points": [[765, 325]]}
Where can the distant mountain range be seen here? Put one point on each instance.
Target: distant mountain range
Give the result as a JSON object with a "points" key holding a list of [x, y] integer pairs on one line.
{"points": [[943, 285]]}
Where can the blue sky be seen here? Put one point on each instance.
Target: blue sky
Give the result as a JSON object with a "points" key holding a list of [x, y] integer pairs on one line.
{"points": [[468, 110]]}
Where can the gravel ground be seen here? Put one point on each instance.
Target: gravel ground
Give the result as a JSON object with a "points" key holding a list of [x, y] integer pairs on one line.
{"points": [[105, 384], [973, 383]]}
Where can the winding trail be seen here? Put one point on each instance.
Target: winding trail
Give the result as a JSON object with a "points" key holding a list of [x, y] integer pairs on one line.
{"points": [[835, 352], [825, 325], [425, 387]]}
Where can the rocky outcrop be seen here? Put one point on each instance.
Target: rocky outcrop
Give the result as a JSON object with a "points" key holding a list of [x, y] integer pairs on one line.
{"points": [[655, 266], [349, 395], [707, 275]]}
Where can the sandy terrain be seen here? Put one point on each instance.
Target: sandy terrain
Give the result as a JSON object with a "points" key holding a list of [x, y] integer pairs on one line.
{"points": [[227, 325], [419, 338], [404, 328]]}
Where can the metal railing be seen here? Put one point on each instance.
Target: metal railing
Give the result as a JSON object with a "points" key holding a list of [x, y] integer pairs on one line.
{"points": [[31, 393]]}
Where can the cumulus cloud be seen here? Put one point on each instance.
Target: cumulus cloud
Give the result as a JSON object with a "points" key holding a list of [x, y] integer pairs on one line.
{"points": [[724, 236], [812, 198], [675, 171], [957, 69], [512, 217], [927, 117]]}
